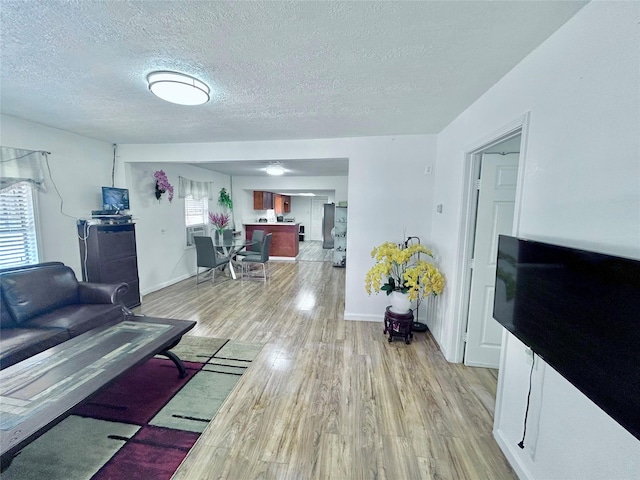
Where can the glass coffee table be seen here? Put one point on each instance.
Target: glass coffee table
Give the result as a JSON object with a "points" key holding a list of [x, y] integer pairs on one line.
{"points": [[39, 392]]}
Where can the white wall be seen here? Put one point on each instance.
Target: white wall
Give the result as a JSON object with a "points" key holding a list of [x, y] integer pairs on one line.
{"points": [[581, 188], [390, 198], [163, 258], [388, 194], [301, 211], [80, 166]]}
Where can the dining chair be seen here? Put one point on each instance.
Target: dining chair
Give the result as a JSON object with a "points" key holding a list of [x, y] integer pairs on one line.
{"points": [[262, 258], [255, 248], [207, 257]]}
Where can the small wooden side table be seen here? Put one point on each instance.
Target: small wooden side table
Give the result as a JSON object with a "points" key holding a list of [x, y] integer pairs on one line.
{"points": [[398, 325]]}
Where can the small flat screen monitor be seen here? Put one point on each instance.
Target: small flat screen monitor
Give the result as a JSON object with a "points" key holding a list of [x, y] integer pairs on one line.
{"points": [[115, 199]]}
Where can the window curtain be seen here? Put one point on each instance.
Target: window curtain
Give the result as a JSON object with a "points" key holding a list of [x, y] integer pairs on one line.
{"points": [[17, 165], [198, 190]]}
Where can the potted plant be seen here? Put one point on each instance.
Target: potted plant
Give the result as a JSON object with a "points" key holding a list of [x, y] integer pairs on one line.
{"points": [[403, 274], [224, 199]]}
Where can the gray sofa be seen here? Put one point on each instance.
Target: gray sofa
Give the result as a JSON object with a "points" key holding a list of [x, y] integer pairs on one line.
{"points": [[43, 305]]}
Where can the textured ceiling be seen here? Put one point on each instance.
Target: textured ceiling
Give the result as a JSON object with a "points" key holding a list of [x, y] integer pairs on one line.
{"points": [[278, 70]]}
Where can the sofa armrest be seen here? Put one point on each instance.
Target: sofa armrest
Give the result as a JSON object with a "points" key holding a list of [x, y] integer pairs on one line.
{"points": [[102, 292]]}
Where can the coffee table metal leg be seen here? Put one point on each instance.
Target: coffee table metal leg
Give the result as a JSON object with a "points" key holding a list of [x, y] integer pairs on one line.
{"points": [[5, 462], [175, 359]]}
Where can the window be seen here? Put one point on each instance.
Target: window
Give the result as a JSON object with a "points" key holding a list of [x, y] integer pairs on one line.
{"points": [[18, 242], [196, 212]]}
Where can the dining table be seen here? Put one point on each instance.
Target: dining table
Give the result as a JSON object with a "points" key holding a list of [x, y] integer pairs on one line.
{"points": [[229, 247]]}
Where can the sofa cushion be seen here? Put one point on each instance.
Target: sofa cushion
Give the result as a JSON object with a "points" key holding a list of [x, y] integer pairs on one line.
{"points": [[17, 344], [6, 320], [77, 319], [32, 292]]}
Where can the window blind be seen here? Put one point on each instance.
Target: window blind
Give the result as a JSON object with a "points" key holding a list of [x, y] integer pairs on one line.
{"points": [[18, 242], [196, 211]]}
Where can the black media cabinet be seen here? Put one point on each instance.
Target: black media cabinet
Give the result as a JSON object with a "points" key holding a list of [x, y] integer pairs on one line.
{"points": [[108, 254]]}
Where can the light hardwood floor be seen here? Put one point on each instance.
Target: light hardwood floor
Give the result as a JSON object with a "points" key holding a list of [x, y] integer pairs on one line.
{"points": [[312, 251], [328, 398]]}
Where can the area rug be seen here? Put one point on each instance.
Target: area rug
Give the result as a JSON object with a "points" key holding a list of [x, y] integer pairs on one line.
{"points": [[143, 425]]}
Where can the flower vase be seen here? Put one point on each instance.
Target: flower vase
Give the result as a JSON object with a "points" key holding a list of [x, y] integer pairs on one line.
{"points": [[219, 237], [400, 302]]}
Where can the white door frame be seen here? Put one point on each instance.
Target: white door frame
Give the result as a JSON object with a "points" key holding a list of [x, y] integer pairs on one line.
{"points": [[473, 156]]}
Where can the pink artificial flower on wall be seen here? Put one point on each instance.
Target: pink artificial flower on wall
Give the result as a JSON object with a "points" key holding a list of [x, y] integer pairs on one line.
{"points": [[162, 184]]}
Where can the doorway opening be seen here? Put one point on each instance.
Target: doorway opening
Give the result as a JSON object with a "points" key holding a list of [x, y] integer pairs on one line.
{"points": [[492, 207], [493, 204]]}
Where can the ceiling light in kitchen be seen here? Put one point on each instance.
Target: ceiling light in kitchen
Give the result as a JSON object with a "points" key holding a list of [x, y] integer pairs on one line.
{"points": [[275, 169]]}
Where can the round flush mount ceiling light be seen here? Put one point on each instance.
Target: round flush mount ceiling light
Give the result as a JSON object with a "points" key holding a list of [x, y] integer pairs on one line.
{"points": [[178, 88], [275, 169]]}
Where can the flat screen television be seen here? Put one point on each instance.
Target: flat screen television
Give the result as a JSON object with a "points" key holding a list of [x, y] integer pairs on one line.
{"points": [[115, 199], [580, 312]]}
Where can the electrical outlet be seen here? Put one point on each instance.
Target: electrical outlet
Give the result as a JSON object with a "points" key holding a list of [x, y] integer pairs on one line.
{"points": [[428, 170], [530, 356]]}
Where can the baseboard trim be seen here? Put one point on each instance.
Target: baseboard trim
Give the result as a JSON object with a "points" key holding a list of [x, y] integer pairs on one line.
{"points": [[509, 452], [166, 284], [359, 317]]}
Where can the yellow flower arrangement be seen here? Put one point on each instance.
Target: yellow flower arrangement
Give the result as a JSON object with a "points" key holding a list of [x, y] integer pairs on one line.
{"points": [[401, 269]]}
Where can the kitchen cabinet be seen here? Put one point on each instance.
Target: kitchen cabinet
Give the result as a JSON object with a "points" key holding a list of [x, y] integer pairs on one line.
{"points": [[278, 204], [269, 200], [262, 200], [284, 239]]}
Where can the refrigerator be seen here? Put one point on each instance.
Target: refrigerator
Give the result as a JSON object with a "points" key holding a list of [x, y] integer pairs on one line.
{"points": [[328, 220]]}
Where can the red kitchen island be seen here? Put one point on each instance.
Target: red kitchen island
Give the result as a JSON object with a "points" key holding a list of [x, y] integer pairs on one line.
{"points": [[285, 241]]}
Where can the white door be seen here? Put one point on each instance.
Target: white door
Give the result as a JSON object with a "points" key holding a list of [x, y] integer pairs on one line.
{"points": [[317, 213], [496, 202]]}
